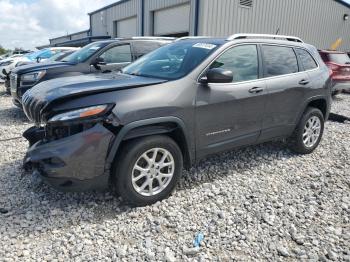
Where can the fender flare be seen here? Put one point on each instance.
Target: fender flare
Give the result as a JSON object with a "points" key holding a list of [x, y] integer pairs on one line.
{"points": [[147, 122]]}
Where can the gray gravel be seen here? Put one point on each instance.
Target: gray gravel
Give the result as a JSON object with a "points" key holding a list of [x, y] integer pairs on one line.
{"points": [[261, 202]]}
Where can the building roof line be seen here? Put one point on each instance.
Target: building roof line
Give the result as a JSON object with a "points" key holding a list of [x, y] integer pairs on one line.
{"points": [[89, 38], [108, 6], [84, 31]]}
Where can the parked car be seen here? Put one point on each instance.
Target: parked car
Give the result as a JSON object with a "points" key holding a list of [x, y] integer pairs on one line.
{"points": [[46, 53], [339, 64], [6, 64], [5, 67], [15, 52], [19, 59], [173, 107], [103, 56], [59, 56]]}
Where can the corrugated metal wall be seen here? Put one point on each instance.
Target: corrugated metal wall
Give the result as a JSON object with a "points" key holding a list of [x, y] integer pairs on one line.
{"points": [[62, 39], [80, 35], [318, 22], [102, 22], [59, 40], [152, 5]]}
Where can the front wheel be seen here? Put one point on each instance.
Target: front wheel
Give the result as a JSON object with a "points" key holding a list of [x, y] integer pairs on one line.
{"points": [[308, 133], [147, 170]]}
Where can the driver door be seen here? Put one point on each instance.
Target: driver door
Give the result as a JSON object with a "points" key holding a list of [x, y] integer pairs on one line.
{"points": [[115, 58], [231, 114]]}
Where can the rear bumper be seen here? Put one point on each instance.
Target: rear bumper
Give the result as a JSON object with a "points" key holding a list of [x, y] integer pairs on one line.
{"points": [[341, 86], [75, 163]]}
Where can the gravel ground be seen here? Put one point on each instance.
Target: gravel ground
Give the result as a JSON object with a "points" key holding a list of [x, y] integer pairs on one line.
{"points": [[257, 203]]}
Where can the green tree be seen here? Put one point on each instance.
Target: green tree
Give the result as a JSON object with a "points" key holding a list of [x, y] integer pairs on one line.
{"points": [[2, 50]]}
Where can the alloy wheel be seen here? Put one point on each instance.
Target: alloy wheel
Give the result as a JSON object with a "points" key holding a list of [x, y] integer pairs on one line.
{"points": [[153, 171], [312, 131]]}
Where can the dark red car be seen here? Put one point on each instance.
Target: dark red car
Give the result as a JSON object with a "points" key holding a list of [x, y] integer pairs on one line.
{"points": [[339, 65]]}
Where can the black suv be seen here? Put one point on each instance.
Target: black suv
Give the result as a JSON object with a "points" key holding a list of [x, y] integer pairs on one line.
{"points": [[173, 107], [103, 56]]}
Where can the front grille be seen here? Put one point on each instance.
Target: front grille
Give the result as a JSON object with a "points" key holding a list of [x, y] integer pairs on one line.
{"points": [[63, 131], [13, 82], [32, 107]]}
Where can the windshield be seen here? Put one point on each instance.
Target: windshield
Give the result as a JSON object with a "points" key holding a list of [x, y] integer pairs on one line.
{"points": [[339, 58], [172, 61], [85, 53], [35, 55]]}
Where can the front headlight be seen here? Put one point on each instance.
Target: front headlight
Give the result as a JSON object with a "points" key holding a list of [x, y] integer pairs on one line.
{"points": [[80, 113], [33, 77]]}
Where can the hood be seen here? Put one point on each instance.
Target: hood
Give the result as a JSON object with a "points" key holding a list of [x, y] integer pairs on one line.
{"points": [[39, 66], [35, 100]]}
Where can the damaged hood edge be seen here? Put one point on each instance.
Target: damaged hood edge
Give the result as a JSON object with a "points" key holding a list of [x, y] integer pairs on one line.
{"points": [[78, 86]]}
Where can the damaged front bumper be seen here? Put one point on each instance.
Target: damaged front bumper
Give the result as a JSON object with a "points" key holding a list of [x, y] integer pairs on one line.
{"points": [[73, 163]]}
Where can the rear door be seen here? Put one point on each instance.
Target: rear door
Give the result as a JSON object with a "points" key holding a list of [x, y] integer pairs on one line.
{"points": [[286, 86], [115, 58], [230, 114]]}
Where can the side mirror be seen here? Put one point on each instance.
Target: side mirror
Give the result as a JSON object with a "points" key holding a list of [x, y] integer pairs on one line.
{"points": [[99, 61], [218, 75]]}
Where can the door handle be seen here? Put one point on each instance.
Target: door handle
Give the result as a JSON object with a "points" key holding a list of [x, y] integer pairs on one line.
{"points": [[304, 82], [256, 90]]}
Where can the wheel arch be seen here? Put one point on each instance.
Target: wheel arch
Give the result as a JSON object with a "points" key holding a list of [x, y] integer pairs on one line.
{"points": [[320, 103], [172, 126]]}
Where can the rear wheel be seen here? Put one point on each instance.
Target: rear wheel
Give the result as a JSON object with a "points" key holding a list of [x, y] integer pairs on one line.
{"points": [[308, 133], [147, 170]]}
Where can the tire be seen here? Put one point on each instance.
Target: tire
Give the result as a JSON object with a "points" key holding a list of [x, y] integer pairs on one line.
{"points": [[133, 153], [296, 141], [7, 87]]}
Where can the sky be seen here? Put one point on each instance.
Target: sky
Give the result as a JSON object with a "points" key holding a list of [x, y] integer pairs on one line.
{"points": [[30, 23]]}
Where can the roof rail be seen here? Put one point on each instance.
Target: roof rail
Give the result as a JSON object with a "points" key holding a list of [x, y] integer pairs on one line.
{"points": [[190, 37], [286, 37]]}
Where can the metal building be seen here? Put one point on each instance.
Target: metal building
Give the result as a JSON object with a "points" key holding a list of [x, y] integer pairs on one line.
{"points": [[319, 22]]}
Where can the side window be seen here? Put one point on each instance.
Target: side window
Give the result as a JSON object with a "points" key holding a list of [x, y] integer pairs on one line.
{"points": [[117, 54], [306, 59], [144, 47], [242, 61], [279, 60]]}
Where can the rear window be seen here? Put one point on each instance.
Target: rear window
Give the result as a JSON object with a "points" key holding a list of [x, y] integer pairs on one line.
{"points": [[306, 59], [279, 60], [339, 58]]}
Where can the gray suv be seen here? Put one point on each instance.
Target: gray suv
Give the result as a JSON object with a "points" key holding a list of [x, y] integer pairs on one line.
{"points": [[136, 129]]}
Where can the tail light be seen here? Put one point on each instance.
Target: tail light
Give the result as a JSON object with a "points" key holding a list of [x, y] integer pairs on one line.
{"points": [[333, 68]]}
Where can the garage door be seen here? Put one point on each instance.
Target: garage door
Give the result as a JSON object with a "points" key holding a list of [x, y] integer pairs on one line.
{"points": [[172, 21], [126, 27]]}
